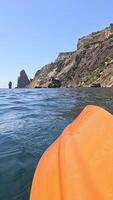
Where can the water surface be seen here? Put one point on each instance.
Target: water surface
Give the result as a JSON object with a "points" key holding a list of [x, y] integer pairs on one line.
{"points": [[30, 120]]}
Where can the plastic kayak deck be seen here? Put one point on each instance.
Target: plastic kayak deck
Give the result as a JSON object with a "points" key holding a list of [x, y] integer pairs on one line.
{"points": [[79, 164]]}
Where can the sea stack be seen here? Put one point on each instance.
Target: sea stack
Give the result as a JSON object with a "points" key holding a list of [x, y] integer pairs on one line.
{"points": [[23, 80], [10, 85]]}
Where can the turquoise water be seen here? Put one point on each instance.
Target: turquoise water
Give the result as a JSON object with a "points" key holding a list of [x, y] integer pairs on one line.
{"points": [[30, 120]]}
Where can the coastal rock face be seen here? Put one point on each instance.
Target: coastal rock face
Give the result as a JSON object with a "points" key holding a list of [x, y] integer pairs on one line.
{"points": [[90, 65], [23, 80], [55, 83]]}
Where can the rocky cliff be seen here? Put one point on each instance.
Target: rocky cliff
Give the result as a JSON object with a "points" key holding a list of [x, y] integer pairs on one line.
{"points": [[90, 65], [23, 80]]}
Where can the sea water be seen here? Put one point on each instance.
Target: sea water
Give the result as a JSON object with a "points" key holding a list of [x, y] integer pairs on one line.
{"points": [[30, 120]]}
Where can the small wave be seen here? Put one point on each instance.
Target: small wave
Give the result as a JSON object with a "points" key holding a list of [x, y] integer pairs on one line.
{"points": [[9, 153]]}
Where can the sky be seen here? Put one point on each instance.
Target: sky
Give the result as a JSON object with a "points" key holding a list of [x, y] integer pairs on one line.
{"points": [[33, 32]]}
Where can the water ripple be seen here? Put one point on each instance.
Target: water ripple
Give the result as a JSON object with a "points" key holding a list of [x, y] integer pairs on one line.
{"points": [[30, 120]]}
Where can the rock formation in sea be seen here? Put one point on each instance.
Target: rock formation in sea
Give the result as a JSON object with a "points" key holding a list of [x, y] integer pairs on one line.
{"points": [[91, 65], [10, 84], [23, 80]]}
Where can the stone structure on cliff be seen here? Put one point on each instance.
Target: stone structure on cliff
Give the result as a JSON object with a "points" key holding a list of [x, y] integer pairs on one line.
{"points": [[95, 37], [23, 80]]}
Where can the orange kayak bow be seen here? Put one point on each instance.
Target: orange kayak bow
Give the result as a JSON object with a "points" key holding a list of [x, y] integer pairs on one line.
{"points": [[79, 164]]}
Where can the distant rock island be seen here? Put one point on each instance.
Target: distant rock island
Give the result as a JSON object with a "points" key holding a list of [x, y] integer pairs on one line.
{"points": [[23, 80], [10, 85], [91, 65]]}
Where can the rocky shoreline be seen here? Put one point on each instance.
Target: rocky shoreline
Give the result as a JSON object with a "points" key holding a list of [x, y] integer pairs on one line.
{"points": [[91, 65]]}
